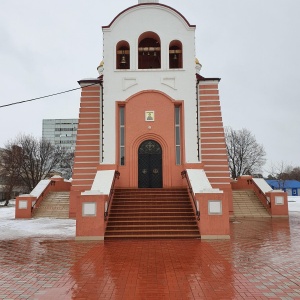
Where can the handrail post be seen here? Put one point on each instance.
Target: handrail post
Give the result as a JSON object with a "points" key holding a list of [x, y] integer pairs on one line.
{"points": [[111, 194], [184, 174]]}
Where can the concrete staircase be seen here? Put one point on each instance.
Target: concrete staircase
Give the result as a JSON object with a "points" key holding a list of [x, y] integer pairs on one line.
{"points": [[151, 213], [55, 205], [247, 204]]}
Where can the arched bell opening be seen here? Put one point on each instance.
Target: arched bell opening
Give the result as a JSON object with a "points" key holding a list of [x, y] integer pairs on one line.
{"points": [[175, 55], [123, 55], [149, 52]]}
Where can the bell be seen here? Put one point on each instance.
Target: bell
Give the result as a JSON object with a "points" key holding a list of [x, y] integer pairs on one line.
{"points": [[123, 60]]}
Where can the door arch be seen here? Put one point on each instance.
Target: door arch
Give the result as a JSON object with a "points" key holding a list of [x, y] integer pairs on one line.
{"points": [[150, 165]]}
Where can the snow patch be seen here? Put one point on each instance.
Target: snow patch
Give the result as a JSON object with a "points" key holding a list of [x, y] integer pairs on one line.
{"points": [[11, 228], [37, 191], [294, 203]]}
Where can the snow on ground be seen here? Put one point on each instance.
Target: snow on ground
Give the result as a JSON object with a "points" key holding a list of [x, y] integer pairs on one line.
{"points": [[11, 228], [294, 203]]}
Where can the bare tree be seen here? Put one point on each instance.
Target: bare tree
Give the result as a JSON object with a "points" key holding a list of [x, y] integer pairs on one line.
{"points": [[36, 159], [66, 164], [295, 173], [281, 172], [245, 155], [9, 170]]}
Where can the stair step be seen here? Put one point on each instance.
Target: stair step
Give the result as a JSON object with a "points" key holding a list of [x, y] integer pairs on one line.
{"points": [[55, 205], [151, 198], [153, 236], [154, 222], [160, 219], [151, 232], [143, 209], [154, 204], [130, 215], [247, 204], [151, 213], [151, 229]]}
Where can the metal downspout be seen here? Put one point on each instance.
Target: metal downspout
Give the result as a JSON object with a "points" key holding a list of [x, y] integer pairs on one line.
{"points": [[198, 129], [102, 125]]}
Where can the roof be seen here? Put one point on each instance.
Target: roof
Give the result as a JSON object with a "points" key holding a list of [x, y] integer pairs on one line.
{"points": [[201, 78], [287, 184], [152, 4], [91, 81]]}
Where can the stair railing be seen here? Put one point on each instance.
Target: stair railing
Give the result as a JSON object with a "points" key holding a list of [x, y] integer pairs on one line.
{"points": [[261, 195], [111, 194], [35, 204], [42, 195], [185, 175]]}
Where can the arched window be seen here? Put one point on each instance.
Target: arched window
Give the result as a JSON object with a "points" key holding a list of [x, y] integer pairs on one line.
{"points": [[123, 55], [149, 51], [175, 55]]}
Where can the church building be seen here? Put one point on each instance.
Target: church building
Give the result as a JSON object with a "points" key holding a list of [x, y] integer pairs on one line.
{"points": [[151, 118], [150, 155]]}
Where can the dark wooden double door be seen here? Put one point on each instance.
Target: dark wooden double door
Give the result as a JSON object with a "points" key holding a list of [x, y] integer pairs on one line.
{"points": [[150, 165]]}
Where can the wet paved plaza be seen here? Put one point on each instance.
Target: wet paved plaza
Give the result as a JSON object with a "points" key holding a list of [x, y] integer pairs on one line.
{"points": [[261, 261]]}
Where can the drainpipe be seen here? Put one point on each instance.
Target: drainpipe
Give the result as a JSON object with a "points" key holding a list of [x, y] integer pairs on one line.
{"points": [[198, 121], [102, 126]]}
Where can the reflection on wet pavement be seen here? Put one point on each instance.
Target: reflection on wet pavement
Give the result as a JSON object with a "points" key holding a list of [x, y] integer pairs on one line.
{"points": [[261, 261]]}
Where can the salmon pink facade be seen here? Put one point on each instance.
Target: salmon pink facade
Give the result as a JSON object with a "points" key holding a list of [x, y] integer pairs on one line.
{"points": [[150, 115]]}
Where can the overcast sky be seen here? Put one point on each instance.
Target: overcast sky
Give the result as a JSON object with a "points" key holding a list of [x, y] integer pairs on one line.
{"points": [[253, 46]]}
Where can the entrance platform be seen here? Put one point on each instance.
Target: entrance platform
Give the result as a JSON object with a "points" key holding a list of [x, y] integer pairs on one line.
{"points": [[260, 261]]}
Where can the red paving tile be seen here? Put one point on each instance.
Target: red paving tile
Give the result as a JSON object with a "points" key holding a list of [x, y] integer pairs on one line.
{"points": [[261, 261]]}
